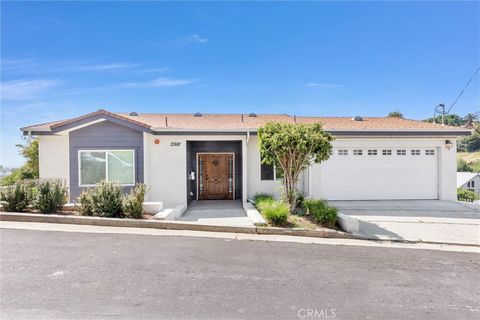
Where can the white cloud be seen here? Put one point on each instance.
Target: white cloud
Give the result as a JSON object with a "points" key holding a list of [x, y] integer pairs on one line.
{"points": [[191, 39], [154, 70], [324, 85], [197, 38], [159, 83], [25, 89], [104, 67]]}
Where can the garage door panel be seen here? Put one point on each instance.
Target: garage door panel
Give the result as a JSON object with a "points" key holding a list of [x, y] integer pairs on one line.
{"points": [[379, 177]]}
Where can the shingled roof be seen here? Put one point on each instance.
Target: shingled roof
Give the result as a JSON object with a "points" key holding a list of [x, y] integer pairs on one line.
{"points": [[162, 122]]}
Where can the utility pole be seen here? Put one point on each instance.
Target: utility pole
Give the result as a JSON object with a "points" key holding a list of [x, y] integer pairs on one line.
{"points": [[440, 109]]}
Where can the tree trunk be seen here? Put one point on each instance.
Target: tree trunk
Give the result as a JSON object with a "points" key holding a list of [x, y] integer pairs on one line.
{"points": [[290, 189]]}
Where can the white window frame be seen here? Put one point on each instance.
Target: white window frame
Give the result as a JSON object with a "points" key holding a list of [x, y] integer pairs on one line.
{"points": [[415, 152], [401, 152], [386, 152], [106, 166], [372, 152], [430, 152], [358, 152], [342, 152]]}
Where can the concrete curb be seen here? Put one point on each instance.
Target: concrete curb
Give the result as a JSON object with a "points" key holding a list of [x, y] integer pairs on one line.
{"points": [[172, 225]]}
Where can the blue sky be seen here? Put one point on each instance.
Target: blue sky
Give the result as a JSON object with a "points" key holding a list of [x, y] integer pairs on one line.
{"points": [[63, 59]]}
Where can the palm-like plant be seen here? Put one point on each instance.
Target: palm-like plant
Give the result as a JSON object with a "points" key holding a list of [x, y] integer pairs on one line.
{"points": [[470, 119]]}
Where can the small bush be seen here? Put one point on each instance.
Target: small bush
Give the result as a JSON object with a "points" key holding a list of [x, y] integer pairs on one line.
{"points": [[86, 203], [15, 198], [463, 166], [275, 212], [50, 195], [133, 203], [321, 211], [466, 195], [262, 196], [107, 200]]}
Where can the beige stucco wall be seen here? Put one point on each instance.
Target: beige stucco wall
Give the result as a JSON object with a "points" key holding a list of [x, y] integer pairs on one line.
{"points": [[255, 184], [166, 166], [54, 157]]}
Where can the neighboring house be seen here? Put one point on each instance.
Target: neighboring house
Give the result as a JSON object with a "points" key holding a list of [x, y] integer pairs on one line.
{"points": [[184, 157], [469, 181]]}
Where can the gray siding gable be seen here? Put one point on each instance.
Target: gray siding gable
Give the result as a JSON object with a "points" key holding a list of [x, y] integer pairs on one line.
{"points": [[104, 135]]}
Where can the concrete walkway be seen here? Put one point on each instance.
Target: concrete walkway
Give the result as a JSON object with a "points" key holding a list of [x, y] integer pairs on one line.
{"points": [[415, 220], [217, 212]]}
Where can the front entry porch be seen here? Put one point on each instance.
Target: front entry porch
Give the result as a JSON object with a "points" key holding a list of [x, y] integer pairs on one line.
{"points": [[216, 212]]}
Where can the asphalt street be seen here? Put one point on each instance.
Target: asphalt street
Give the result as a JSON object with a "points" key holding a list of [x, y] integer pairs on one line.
{"points": [[69, 275]]}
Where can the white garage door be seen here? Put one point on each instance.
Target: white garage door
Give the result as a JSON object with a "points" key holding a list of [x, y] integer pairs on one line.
{"points": [[380, 173]]}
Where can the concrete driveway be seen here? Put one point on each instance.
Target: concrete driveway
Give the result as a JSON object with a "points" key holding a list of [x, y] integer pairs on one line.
{"points": [[415, 220]]}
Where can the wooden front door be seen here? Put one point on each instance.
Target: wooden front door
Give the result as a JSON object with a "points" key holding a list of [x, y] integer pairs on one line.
{"points": [[215, 176]]}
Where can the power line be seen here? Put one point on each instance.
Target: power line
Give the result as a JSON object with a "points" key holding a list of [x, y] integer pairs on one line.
{"points": [[463, 90]]}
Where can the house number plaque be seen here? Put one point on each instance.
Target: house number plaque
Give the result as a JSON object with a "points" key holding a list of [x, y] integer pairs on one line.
{"points": [[174, 144]]}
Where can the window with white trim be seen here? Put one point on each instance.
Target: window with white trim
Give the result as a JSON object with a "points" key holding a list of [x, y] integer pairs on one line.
{"points": [[471, 184], [386, 152], [429, 152], [108, 165], [401, 152], [372, 152], [415, 152], [357, 152], [343, 152]]}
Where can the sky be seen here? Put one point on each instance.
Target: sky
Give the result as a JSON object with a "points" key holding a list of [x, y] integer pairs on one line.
{"points": [[65, 59]]}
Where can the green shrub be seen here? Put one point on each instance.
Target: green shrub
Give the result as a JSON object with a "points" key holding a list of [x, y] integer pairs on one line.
{"points": [[133, 203], [86, 203], [466, 195], [321, 212], [262, 196], [463, 166], [276, 212], [50, 195], [107, 200], [15, 198]]}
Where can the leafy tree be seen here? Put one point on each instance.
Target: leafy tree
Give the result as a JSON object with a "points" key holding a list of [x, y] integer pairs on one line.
{"points": [[30, 169], [449, 119], [292, 148], [463, 166], [396, 114]]}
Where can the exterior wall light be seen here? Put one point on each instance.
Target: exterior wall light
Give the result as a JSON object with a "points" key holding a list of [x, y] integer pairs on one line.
{"points": [[448, 144]]}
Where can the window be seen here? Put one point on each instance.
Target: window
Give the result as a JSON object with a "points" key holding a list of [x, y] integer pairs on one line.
{"points": [[386, 152], [357, 152], [471, 184], [430, 152], [343, 152], [278, 172], [109, 165], [401, 152], [330, 152], [415, 152], [266, 172], [372, 152]]}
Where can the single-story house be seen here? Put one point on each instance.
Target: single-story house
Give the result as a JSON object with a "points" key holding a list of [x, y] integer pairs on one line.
{"points": [[469, 181], [185, 157]]}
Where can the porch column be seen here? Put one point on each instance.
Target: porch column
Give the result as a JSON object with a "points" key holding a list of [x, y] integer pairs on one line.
{"points": [[244, 171]]}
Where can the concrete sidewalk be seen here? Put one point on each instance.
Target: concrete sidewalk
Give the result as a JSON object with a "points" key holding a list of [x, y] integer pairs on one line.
{"points": [[216, 212], [415, 220]]}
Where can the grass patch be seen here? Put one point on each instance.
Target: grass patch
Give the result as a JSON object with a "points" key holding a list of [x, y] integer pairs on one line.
{"points": [[472, 158]]}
